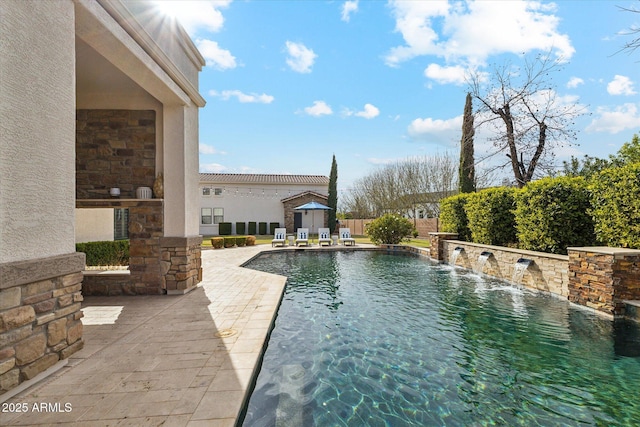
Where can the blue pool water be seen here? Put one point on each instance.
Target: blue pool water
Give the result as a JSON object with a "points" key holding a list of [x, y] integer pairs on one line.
{"points": [[370, 339]]}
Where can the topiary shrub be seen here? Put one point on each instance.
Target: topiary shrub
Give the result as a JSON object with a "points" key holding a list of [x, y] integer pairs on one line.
{"points": [[552, 214], [217, 242], [252, 227], [224, 228], [241, 241], [453, 217], [389, 229], [229, 242], [251, 241], [262, 228], [105, 252], [241, 228], [273, 226], [490, 216], [615, 204]]}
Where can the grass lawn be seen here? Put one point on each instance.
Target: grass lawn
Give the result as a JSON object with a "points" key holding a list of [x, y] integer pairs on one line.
{"points": [[266, 240]]}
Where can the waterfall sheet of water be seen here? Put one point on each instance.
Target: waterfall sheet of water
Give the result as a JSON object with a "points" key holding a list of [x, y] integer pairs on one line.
{"points": [[456, 253], [519, 269], [482, 260]]}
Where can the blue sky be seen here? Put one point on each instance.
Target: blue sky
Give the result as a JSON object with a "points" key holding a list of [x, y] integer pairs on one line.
{"points": [[290, 83]]}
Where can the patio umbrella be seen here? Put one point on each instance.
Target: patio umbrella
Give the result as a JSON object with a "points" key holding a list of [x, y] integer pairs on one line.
{"points": [[312, 206]]}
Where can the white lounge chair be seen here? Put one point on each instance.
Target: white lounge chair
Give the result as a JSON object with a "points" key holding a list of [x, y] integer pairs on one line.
{"points": [[324, 236], [279, 237], [302, 237], [345, 237]]}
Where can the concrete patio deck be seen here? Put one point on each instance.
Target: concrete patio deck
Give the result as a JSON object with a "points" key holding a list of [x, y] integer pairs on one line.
{"points": [[163, 360]]}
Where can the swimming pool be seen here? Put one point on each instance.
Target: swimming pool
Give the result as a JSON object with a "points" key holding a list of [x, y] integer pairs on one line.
{"points": [[370, 339]]}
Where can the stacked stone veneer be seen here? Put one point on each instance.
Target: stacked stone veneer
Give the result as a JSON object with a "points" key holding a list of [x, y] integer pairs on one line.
{"points": [[181, 265], [290, 204], [39, 316], [603, 278], [114, 148]]}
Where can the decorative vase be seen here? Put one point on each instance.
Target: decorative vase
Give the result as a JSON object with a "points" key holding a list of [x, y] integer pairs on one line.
{"points": [[158, 187]]}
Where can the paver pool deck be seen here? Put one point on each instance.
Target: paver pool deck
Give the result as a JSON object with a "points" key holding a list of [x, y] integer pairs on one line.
{"points": [[183, 360]]}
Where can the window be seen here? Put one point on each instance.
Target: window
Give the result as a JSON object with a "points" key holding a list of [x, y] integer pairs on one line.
{"points": [[206, 191], [120, 223], [217, 191], [211, 216]]}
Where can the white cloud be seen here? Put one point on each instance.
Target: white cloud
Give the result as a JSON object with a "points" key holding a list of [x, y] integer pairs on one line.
{"points": [[216, 57], [319, 108], [370, 111], [349, 7], [195, 15], [243, 97], [212, 168], [454, 74], [622, 117], [621, 85], [574, 82], [209, 149], [435, 127], [379, 161], [473, 31], [300, 58]]}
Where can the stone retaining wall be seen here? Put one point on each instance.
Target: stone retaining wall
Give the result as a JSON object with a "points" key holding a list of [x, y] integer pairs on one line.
{"points": [[39, 316]]}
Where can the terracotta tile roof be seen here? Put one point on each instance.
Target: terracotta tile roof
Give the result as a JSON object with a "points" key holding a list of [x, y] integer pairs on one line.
{"points": [[242, 178]]}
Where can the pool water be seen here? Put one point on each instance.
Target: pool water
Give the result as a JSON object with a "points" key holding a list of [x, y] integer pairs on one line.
{"points": [[370, 339]]}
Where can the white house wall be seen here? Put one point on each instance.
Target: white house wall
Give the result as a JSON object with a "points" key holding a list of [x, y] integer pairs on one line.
{"points": [[252, 202], [37, 130]]}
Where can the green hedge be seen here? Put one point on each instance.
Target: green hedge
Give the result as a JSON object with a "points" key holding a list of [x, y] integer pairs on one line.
{"points": [[252, 227], [616, 206], [229, 242], [224, 228], [552, 214], [490, 215], [273, 226], [241, 228], [106, 252], [453, 217], [217, 242], [241, 241], [389, 229], [262, 228]]}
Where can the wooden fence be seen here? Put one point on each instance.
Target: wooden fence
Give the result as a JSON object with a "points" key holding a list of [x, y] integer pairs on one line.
{"points": [[424, 225]]}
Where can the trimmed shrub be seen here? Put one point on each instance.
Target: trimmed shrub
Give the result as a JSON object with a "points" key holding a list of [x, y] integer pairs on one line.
{"points": [[105, 252], [241, 241], [224, 228], [273, 226], [616, 206], [552, 214], [241, 228], [490, 216], [229, 242], [217, 242], [252, 227], [453, 217], [389, 229], [262, 228], [251, 241]]}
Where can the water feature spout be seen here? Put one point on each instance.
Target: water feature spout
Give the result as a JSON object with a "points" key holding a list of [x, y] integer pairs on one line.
{"points": [[482, 260], [456, 253], [520, 268]]}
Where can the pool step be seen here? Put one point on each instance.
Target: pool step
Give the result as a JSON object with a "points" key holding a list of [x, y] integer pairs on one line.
{"points": [[289, 410], [632, 310]]}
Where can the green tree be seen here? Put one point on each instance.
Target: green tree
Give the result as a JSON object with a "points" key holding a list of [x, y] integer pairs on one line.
{"points": [[589, 166], [333, 193], [466, 180]]}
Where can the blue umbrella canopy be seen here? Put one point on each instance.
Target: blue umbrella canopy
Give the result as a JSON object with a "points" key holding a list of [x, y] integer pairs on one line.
{"points": [[312, 206]]}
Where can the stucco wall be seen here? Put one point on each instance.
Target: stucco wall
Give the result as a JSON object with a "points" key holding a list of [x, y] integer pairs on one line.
{"points": [[94, 225], [37, 130]]}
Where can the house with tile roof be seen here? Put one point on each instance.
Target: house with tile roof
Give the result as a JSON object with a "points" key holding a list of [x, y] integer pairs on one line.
{"points": [[270, 198]]}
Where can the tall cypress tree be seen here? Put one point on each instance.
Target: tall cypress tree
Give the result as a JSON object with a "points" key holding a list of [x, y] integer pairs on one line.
{"points": [[467, 174], [333, 193]]}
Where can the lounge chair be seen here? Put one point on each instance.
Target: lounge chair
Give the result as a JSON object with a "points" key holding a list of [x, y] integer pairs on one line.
{"points": [[303, 237], [324, 236], [280, 237], [345, 237]]}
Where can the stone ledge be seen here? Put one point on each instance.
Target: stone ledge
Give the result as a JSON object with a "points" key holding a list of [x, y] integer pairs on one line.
{"points": [[605, 250], [31, 271], [180, 241]]}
